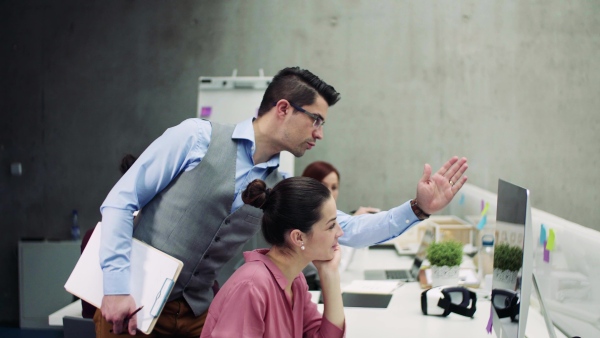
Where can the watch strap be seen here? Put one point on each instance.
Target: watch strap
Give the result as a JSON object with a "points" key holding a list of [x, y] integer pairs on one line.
{"points": [[421, 215]]}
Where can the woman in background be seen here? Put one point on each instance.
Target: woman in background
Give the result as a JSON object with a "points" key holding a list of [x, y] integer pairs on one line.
{"points": [[268, 295], [327, 174]]}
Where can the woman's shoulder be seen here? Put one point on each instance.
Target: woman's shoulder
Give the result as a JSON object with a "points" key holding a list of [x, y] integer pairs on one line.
{"points": [[254, 274]]}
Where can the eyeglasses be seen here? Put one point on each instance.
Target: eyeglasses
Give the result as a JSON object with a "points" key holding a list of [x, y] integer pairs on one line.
{"points": [[319, 121]]}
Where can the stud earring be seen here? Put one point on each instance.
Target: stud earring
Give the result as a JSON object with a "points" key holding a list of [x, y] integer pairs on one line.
{"points": [[302, 247]]}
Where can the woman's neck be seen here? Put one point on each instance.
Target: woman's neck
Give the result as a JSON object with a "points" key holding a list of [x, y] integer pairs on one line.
{"points": [[289, 262]]}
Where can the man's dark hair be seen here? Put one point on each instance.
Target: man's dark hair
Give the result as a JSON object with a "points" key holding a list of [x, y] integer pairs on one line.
{"points": [[298, 86]]}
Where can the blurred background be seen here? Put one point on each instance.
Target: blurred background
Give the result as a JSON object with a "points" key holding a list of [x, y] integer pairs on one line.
{"points": [[514, 86]]}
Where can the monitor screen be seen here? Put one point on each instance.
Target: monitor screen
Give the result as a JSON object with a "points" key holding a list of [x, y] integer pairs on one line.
{"points": [[513, 263]]}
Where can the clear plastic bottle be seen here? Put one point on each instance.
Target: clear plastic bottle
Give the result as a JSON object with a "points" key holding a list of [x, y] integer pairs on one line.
{"points": [[486, 259], [75, 232]]}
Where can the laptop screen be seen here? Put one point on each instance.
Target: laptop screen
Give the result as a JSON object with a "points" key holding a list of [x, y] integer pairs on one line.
{"points": [[421, 255]]}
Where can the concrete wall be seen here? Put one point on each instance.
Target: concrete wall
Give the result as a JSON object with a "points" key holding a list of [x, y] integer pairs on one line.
{"points": [[512, 85]]}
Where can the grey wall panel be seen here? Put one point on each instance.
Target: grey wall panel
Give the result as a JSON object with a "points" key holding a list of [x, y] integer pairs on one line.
{"points": [[512, 85]]}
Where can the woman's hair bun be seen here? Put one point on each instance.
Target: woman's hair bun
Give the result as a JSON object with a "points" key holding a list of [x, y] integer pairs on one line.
{"points": [[256, 193]]}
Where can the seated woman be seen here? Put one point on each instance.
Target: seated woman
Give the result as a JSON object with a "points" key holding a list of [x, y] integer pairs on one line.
{"points": [[268, 295]]}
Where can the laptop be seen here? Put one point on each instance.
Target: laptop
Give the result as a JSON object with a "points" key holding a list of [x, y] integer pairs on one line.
{"points": [[407, 275]]}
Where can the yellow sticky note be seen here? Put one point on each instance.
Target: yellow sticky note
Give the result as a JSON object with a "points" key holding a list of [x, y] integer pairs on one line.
{"points": [[551, 240], [485, 210]]}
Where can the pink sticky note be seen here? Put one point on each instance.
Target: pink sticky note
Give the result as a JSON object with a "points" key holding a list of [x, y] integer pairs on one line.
{"points": [[546, 253], [205, 111]]}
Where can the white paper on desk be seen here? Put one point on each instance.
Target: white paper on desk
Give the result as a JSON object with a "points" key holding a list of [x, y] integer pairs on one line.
{"points": [[149, 269], [372, 286]]}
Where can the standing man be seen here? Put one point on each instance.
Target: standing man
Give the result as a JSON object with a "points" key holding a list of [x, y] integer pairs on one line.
{"points": [[189, 183]]}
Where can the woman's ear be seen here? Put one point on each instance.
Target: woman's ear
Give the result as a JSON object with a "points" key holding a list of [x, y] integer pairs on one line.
{"points": [[297, 238]]}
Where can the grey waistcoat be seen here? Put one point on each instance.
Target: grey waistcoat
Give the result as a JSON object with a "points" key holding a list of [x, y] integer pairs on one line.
{"points": [[191, 220]]}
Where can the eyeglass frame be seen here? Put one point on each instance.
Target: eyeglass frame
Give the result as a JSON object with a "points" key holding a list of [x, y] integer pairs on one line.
{"points": [[319, 120]]}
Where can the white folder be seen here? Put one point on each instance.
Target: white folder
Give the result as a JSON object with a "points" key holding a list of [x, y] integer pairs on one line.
{"points": [[153, 274]]}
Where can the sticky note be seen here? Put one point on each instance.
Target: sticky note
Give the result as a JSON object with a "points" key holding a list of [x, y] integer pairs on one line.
{"points": [[551, 240], [490, 322], [542, 235], [462, 199], [485, 209], [483, 219], [482, 222], [205, 111], [482, 204], [546, 254]]}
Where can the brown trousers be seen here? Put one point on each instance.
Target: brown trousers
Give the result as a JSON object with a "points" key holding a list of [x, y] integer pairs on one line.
{"points": [[177, 320]]}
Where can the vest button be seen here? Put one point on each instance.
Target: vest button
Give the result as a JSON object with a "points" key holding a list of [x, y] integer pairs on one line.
{"points": [[196, 273], [207, 256], [227, 221], [217, 239]]}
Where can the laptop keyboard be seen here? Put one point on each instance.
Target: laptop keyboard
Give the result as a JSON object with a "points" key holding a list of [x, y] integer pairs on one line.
{"points": [[396, 274]]}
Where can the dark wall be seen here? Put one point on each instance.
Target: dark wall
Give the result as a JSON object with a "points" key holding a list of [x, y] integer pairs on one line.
{"points": [[82, 84]]}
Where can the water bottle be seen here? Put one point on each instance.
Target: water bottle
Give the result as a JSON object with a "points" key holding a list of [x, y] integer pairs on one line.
{"points": [[486, 260], [75, 233]]}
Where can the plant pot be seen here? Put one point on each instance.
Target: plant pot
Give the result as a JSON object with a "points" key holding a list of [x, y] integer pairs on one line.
{"points": [[444, 275], [505, 279]]}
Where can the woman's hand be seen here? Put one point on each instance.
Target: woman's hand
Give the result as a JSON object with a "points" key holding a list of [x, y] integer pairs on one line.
{"points": [[325, 268], [330, 287]]}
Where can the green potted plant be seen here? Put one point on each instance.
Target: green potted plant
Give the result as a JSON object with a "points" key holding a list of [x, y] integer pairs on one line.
{"points": [[445, 258], [508, 260]]}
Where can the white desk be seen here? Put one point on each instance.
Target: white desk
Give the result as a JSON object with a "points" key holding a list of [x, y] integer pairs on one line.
{"points": [[403, 316], [71, 310]]}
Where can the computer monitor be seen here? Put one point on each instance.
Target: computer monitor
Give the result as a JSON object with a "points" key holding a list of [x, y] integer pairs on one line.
{"points": [[510, 299]]}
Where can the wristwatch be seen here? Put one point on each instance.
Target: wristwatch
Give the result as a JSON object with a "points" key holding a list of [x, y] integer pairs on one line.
{"points": [[421, 215]]}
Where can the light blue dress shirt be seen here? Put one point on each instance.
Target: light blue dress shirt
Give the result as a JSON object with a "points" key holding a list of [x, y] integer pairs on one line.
{"points": [[180, 149]]}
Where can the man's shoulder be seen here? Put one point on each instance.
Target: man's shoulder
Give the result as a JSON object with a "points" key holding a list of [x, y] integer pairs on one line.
{"points": [[196, 122]]}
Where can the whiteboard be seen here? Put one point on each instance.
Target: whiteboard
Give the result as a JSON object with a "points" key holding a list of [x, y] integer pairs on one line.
{"points": [[233, 99]]}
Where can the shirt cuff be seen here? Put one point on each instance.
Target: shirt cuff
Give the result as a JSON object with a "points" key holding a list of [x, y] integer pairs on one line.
{"points": [[116, 282], [403, 216]]}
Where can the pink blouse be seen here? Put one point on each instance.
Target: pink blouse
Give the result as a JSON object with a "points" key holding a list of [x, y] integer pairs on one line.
{"points": [[253, 303]]}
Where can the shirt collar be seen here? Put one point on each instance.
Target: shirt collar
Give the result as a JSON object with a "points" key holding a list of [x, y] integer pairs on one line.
{"points": [[245, 131], [260, 255]]}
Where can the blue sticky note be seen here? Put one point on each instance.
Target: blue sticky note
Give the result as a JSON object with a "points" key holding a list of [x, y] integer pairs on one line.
{"points": [[482, 222], [462, 199], [542, 234]]}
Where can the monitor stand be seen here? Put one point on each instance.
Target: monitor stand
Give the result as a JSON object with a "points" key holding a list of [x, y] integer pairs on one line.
{"points": [[547, 319]]}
